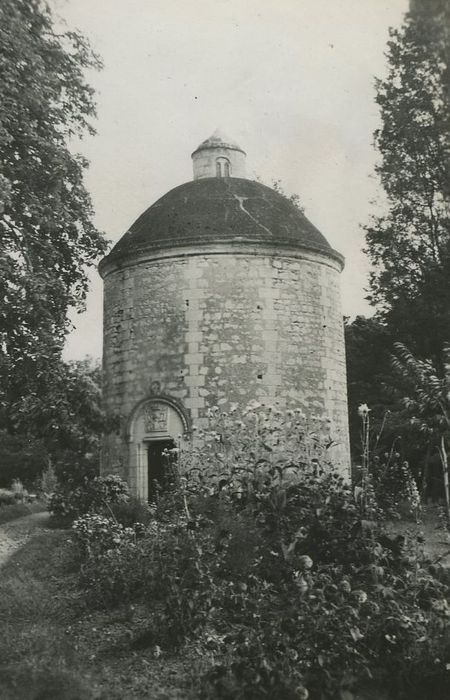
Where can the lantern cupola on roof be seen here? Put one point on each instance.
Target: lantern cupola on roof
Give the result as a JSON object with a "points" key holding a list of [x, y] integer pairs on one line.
{"points": [[218, 156]]}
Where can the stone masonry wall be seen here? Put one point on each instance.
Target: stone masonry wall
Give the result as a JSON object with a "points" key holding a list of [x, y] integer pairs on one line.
{"points": [[217, 328], [204, 162]]}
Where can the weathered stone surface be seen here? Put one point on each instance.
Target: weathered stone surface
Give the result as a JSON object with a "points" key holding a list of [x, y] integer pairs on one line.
{"points": [[211, 329]]}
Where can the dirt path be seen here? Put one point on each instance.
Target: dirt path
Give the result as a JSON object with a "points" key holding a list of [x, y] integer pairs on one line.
{"points": [[15, 533]]}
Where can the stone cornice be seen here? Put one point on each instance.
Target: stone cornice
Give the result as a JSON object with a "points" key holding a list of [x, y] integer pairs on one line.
{"points": [[331, 257]]}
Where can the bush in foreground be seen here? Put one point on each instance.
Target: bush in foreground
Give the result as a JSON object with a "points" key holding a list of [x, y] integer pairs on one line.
{"points": [[7, 497], [279, 579], [96, 495]]}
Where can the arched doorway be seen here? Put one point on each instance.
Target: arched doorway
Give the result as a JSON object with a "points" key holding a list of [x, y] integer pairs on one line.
{"points": [[156, 426]]}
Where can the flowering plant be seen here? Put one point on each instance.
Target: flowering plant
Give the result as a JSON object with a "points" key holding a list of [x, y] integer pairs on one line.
{"points": [[269, 567], [263, 444], [97, 534], [94, 496]]}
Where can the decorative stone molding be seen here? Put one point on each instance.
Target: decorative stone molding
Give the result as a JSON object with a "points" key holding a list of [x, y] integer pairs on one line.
{"points": [[334, 260], [154, 419]]}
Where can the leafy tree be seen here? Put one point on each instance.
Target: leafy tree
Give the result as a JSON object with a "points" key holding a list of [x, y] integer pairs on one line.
{"points": [[47, 238], [425, 398], [409, 246], [21, 458], [66, 413], [393, 439], [61, 419], [368, 352]]}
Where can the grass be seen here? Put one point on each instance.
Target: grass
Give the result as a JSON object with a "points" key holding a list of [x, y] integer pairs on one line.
{"points": [[52, 647], [18, 510]]}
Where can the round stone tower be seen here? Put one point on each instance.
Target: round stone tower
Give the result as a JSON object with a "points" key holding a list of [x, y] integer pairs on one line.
{"points": [[221, 292]]}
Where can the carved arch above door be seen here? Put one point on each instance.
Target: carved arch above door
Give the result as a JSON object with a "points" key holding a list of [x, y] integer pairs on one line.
{"points": [[155, 419]]}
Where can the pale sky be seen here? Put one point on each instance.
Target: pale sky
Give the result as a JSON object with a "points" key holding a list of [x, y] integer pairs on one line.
{"points": [[292, 81]]}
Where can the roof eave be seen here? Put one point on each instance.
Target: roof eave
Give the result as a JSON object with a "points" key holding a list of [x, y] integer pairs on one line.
{"points": [[193, 246], [213, 147]]}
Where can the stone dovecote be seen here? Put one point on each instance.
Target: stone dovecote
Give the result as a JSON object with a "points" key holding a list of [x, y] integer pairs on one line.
{"points": [[221, 292]]}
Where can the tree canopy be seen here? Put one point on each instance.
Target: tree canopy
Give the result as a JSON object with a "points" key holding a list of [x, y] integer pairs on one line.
{"points": [[59, 422], [409, 246], [47, 236]]}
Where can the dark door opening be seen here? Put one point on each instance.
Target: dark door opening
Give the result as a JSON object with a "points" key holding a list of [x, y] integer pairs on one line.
{"points": [[159, 467]]}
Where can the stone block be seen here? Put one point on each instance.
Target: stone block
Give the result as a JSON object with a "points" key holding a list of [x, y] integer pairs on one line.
{"points": [[193, 315], [194, 358], [196, 402], [193, 336], [195, 380]]}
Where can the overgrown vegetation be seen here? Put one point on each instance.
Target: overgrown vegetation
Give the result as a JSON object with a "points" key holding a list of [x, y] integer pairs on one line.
{"points": [[268, 566], [408, 243], [96, 495], [53, 646], [59, 429]]}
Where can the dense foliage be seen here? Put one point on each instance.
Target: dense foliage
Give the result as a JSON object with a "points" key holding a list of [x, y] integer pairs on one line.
{"points": [[368, 345], [264, 562], [409, 246], [97, 495], [20, 457], [47, 238], [424, 392], [59, 423], [409, 243]]}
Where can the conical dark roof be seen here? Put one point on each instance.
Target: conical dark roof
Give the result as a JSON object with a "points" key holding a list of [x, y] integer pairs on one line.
{"points": [[220, 210]]}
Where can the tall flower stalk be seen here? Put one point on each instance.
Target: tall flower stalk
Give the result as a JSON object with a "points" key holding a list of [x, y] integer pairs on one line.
{"points": [[363, 412]]}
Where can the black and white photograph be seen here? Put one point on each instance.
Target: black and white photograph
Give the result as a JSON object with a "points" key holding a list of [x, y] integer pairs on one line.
{"points": [[224, 349]]}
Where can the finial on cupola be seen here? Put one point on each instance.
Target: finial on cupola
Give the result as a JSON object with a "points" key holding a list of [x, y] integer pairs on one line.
{"points": [[218, 156]]}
